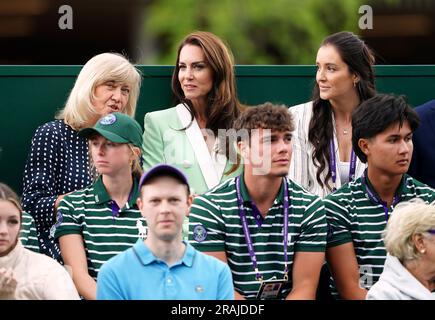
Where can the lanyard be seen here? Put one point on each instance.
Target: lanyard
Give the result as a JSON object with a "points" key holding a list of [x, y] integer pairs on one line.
{"points": [[333, 165], [374, 198], [248, 238]]}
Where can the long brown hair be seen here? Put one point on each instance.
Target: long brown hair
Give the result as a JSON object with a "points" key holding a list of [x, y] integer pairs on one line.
{"points": [[223, 106], [360, 60]]}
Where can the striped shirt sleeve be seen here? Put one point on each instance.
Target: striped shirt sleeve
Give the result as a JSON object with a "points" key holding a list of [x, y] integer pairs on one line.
{"points": [[28, 235], [206, 225], [337, 217], [313, 228], [67, 221]]}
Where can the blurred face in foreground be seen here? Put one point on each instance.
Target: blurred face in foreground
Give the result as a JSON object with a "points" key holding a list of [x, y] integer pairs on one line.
{"points": [[164, 202]]}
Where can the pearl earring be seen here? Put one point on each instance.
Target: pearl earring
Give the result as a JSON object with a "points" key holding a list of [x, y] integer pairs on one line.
{"points": [[423, 251]]}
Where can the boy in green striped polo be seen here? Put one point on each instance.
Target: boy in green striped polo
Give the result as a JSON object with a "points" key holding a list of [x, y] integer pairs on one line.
{"points": [[357, 213], [102, 220], [270, 231]]}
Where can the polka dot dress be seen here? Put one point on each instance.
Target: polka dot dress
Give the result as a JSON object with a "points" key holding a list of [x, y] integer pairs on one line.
{"points": [[58, 163]]}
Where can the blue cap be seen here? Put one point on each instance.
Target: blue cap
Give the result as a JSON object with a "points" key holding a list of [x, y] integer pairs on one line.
{"points": [[164, 170]]}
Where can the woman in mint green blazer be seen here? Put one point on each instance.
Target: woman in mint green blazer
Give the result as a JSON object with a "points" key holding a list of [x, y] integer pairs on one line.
{"points": [[189, 135]]}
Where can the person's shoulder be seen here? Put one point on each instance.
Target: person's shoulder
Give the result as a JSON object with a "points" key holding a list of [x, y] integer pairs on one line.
{"points": [[161, 114], [302, 108], [118, 262], [43, 262], [51, 129], [418, 186], [81, 193], [347, 191], [211, 262], [382, 290], [296, 189], [223, 189], [53, 125], [425, 108]]}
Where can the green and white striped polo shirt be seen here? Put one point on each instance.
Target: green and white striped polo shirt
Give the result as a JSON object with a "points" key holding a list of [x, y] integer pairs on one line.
{"points": [[105, 231], [353, 217], [28, 235], [215, 225]]}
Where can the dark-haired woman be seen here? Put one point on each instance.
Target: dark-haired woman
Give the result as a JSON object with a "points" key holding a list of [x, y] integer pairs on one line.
{"points": [[323, 159], [187, 135]]}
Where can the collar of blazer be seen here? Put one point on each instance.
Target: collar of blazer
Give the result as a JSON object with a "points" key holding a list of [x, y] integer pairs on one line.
{"points": [[212, 166]]}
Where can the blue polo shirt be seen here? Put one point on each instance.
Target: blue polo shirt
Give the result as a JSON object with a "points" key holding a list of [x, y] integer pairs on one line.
{"points": [[136, 274]]}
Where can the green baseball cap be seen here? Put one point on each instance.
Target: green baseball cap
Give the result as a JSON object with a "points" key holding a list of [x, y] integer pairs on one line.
{"points": [[116, 127]]}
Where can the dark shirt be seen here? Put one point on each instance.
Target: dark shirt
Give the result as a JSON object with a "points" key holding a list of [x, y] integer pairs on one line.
{"points": [[57, 163], [423, 159]]}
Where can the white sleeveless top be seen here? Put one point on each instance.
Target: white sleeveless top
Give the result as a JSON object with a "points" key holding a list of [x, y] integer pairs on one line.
{"points": [[343, 171]]}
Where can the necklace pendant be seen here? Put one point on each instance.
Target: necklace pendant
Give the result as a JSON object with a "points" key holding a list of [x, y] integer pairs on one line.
{"points": [[345, 131]]}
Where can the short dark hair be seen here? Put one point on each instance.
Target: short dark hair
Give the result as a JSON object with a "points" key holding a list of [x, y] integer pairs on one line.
{"points": [[376, 114]]}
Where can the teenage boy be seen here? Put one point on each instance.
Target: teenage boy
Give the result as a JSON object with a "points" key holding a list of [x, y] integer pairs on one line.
{"points": [[270, 231], [358, 213]]}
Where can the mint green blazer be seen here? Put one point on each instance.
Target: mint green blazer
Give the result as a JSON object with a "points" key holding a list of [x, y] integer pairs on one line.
{"points": [[164, 142]]}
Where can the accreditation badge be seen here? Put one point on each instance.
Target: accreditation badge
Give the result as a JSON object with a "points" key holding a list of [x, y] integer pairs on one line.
{"points": [[270, 289]]}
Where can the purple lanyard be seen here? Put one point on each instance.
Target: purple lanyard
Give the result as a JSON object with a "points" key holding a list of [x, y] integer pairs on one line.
{"points": [[333, 165], [248, 238], [376, 200]]}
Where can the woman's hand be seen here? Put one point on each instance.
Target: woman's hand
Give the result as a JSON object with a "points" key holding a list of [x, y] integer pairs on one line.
{"points": [[8, 283]]}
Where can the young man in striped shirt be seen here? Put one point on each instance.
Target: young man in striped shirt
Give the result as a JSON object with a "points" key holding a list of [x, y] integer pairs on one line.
{"points": [[358, 212], [270, 231]]}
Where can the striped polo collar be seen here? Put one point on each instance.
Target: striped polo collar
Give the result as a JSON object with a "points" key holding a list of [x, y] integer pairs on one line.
{"points": [[401, 189], [246, 197], [102, 196]]}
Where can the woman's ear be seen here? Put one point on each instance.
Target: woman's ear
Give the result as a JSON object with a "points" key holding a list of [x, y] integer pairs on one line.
{"points": [[419, 244], [136, 151], [355, 79]]}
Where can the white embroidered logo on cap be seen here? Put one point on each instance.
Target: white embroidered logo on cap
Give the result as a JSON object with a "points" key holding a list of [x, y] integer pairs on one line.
{"points": [[108, 120]]}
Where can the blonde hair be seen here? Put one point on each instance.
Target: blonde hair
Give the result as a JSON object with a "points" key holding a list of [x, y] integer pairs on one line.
{"points": [[136, 167], [98, 70], [407, 219]]}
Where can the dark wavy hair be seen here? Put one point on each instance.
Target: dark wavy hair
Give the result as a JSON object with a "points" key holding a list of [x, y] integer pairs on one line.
{"points": [[360, 60], [223, 107]]}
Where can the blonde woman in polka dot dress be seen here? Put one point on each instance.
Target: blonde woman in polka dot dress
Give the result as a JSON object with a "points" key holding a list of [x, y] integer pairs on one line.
{"points": [[58, 161]]}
